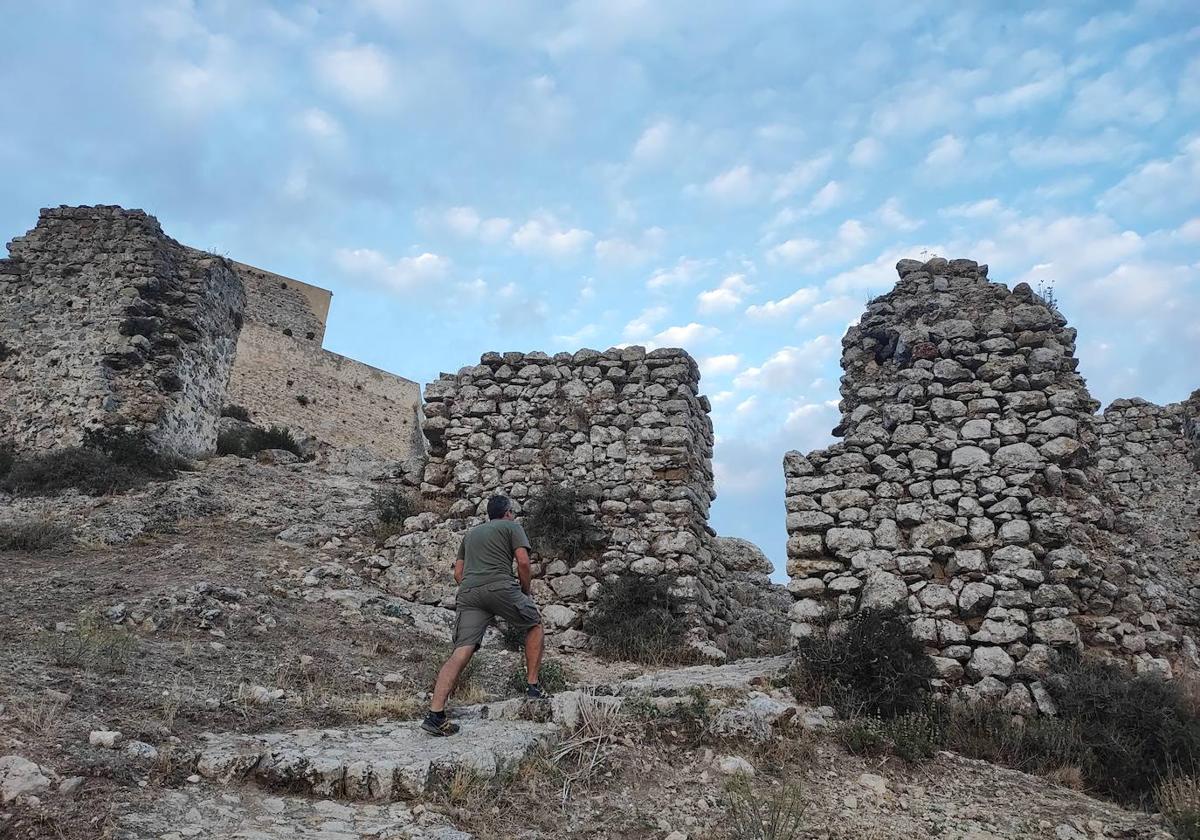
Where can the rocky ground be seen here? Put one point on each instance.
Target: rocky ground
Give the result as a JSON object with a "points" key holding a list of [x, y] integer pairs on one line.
{"points": [[207, 660]]}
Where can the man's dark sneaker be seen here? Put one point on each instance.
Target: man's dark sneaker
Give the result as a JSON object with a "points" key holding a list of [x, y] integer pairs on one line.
{"points": [[535, 692], [439, 726]]}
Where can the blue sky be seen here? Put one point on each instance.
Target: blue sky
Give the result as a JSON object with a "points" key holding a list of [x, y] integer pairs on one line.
{"points": [[734, 178]]}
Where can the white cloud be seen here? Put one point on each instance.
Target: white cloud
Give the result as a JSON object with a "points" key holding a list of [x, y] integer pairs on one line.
{"points": [[800, 176], [682, 336], [793, 250], [320, 125], [545, 236], [1110, 98], [654, 141], [467, 222], [406, 274], [866, 152], [684, 272], [981, 209], [947, 151], [790, 368], [841, 309], [1022, 96], [1159, 186], [1190, 230], [1057, 151], [360, 74], [892, 216], [718, 365], [725, 297], [746, 406], [734, 186], [826, 198], [640, 327], [803, 297], [630, 252]]}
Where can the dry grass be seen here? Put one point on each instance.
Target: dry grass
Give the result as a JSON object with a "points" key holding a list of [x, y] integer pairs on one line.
{"points": [[1068, 777], [367, 708], [1179, 800], [40, 716], [32, 535], [93, 643], [753, 816]]}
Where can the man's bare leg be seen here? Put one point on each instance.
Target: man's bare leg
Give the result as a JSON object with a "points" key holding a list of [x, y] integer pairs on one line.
{"points": [[534, 641], [449, 675]]}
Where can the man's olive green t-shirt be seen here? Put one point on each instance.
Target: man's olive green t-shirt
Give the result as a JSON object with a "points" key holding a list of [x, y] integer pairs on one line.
{"points": [[487, 551]]}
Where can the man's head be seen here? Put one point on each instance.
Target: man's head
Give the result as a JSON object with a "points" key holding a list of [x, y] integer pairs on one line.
{"points": [[499, 507]]}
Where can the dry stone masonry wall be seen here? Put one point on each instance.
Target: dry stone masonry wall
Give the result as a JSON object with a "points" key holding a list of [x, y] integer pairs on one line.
{"points": [[974, 489], [627, 428], [107, 322]]}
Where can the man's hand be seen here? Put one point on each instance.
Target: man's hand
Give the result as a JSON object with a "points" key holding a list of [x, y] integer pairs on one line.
{"points": [[459, 566], [524, 570]]}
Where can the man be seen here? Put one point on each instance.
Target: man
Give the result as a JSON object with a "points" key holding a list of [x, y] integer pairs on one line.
{"points": [[486, 589]]}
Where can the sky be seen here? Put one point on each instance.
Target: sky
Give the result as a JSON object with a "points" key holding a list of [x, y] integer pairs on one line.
{"points": [[734, 178]]}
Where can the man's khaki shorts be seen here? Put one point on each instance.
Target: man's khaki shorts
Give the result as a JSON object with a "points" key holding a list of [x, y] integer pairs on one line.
{"points": [[478, 605]]}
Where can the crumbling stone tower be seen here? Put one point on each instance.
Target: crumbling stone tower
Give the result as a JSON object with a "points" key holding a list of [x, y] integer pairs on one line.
{"points": [[966, 492], [106, 322]]}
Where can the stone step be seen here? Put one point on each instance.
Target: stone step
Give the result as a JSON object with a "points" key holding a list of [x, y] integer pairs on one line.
{"points": [[252, 814], [741, 674], [382, 762]]}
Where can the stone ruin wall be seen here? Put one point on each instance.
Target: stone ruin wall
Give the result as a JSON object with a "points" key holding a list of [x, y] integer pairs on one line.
{"points": [[283, 376], [284, 381], [628, 428], [976, 489], [109, 323]]}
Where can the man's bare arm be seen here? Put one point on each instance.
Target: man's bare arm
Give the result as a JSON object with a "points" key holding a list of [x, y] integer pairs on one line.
{"points": [[524, 570], [459, 565]]}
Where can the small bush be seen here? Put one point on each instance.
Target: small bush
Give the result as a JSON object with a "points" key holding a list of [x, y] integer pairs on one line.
{"points": [[554, 524], [92, 644], [32, 535], [1138, 730], [134, 452], [914, 736], [873, 667], [1041, 745], [753, 816], [638, 618], [237, 412], [110, 461], [1179, 801], [245, 442], [393, 505], [863, 736], [552, 677]]}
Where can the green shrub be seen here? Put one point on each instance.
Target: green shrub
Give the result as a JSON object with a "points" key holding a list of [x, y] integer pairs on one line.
{"points": [[133, 450], [393, 505], [32, 535], [554, 524], [863, 736], [915, 736], [873, 667], [1138, 730], [637, 618], [76, 468], [110, 461], [755, 816], [237, 412], [552, 677], [247, 441], [1034, 745]]}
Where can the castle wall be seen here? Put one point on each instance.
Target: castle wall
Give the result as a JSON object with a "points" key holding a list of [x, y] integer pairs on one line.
{"points": [[968, 493], [625, 427], [285, 305], [107, 322], [291, 382]]}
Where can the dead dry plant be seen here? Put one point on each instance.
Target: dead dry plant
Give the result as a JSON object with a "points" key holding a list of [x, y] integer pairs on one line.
{"points": [[582, 754], [368, 708], [1178, 799], [40, 716]]}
